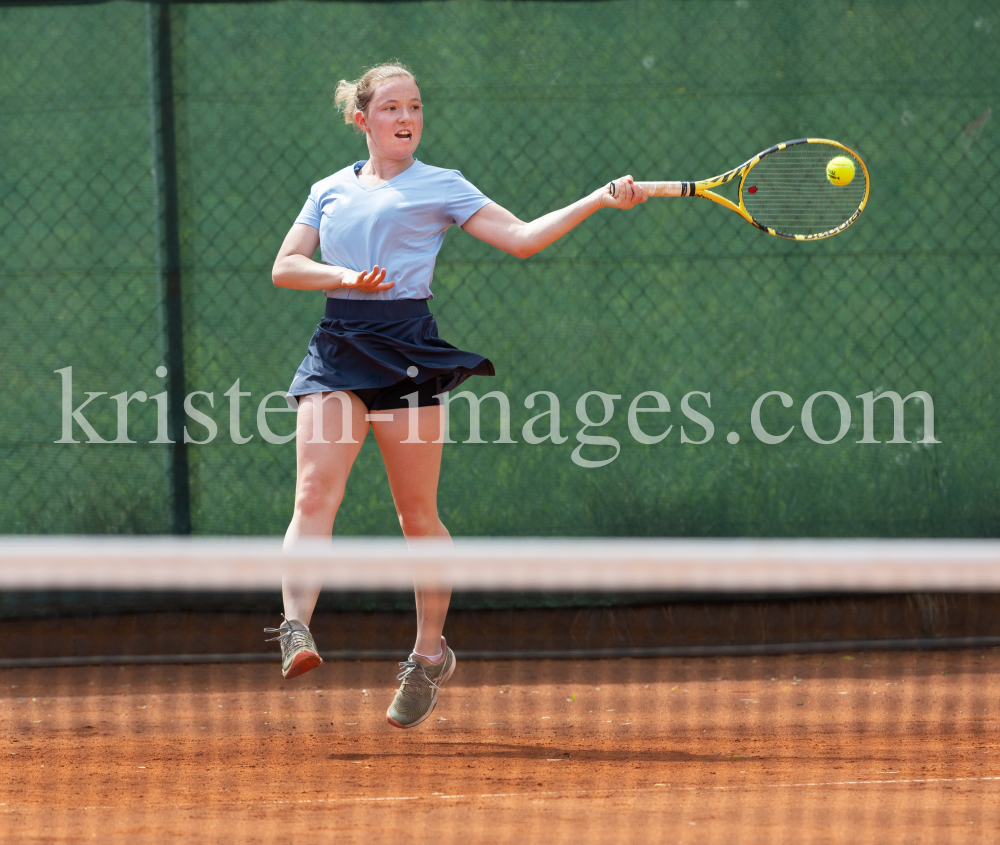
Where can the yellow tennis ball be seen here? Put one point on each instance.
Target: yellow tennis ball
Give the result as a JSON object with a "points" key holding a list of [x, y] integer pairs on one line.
{"points": [[840, 170]]}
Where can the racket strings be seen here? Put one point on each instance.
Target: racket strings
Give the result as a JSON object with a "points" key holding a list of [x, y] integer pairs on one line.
{"points": [[789, 191]]}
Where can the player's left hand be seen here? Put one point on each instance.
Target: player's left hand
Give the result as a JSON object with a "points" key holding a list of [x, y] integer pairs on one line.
{"points": [[626, 194], [369, 281]]}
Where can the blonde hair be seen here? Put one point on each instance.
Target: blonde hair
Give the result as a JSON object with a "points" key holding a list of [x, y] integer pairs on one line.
{"points": [[357, 96]]}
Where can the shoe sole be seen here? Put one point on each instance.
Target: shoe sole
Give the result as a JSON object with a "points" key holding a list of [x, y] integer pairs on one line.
{"points": [[423, 718], [302, 663], [441, 682]]}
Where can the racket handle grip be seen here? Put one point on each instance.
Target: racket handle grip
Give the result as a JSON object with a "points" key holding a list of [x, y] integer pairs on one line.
{"points": [[662, 189], [669, 189]]}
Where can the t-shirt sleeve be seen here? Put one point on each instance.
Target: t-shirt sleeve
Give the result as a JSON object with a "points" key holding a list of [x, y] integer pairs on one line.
{"points": [[463, 199], [310, 211]]}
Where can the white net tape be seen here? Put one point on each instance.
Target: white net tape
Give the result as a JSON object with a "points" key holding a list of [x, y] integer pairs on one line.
{"points": [[496, 564]]}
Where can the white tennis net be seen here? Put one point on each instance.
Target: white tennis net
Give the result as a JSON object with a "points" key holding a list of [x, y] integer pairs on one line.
{"points": [[772, 565]]}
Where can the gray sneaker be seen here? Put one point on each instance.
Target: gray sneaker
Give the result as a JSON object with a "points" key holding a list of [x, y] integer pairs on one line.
{"points": [[298, 648], [417, 694]]}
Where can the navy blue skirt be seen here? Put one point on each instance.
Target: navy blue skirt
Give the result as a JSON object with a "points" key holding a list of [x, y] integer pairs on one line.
{"points": [[373, 343]]}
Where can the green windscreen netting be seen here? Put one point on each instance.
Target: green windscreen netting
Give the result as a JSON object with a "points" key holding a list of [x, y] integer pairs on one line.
{"points": [[537, 104]]}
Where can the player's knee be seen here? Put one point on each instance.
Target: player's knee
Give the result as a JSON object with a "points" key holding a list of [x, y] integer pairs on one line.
{"points": [[312, 499], [418, 521]]}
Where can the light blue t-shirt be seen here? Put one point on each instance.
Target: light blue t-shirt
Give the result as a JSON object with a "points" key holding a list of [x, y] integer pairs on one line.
{"points": [[399, 225]]}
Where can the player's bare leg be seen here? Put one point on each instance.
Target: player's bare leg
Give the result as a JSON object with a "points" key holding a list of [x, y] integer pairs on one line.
{"points": [[330, 429], [413, 470]]}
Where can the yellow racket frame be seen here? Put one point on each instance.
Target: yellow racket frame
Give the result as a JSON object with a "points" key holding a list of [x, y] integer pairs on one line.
{"points": [[705, 186]]}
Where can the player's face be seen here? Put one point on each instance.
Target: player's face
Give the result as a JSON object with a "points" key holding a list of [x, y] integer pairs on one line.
{"points": [[395, 118]]}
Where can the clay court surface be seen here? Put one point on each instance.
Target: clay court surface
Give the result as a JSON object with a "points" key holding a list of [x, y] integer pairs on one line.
{"points": [[869, 747]]}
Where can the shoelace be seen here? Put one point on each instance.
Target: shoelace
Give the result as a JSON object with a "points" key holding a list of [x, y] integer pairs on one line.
{"points": [[408, 675], [290, 639]]}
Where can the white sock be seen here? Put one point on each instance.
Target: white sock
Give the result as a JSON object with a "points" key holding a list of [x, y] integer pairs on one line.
{"points": [[436, 658]]}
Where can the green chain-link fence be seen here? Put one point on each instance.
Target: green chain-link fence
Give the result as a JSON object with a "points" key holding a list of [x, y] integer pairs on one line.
{"points": [[537, 103]]}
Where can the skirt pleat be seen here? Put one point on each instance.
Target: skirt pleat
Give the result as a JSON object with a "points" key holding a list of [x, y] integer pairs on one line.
{"points": [[376, 343]]}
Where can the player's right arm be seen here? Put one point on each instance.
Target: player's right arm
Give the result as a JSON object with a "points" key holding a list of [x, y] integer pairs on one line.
{"points": [[294, 267]]}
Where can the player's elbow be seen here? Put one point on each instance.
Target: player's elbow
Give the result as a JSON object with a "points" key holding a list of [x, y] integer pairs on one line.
{"points": [[521, 241], [278, 274], [523, 249]]}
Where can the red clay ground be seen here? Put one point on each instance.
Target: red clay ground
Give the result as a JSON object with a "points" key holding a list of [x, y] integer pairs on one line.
{"points": [[827, 749]]}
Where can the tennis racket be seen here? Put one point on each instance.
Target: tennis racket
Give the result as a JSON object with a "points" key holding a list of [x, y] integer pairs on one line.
{"points": [[785, 190]]}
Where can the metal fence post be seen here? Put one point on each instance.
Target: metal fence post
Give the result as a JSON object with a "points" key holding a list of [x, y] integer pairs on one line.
{"points": [[163, 156]]}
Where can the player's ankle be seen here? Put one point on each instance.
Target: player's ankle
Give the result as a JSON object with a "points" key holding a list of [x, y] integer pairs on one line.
{"points": [[433, 658]]}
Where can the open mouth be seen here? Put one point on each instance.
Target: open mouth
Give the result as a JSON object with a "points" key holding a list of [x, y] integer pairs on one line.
{"points": [[404, 134]]}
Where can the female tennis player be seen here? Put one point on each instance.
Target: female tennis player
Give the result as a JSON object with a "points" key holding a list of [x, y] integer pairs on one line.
{"points": [[379, 225]]}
